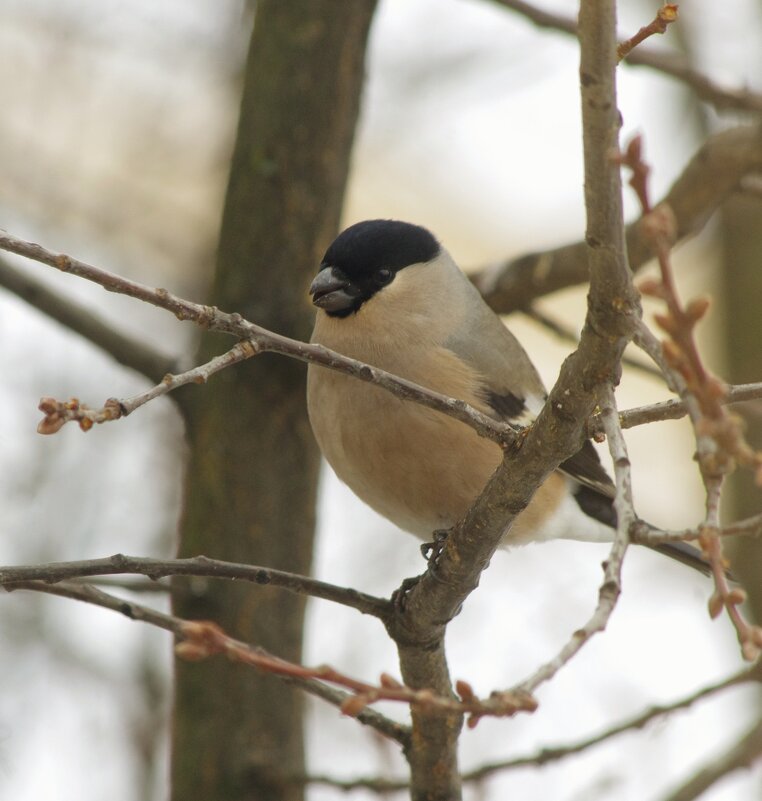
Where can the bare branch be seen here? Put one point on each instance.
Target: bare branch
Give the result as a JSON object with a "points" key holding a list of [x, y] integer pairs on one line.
{"points": [[59, 413], [741, 754], [260, 339], [609, 592], [674, 409], [671, 64], [713, 173], [82, 320], [555, 753], [119, 564], [720, 442], [203, 639], [645, 535], [658, 25], [199, 639], [367, 716]]}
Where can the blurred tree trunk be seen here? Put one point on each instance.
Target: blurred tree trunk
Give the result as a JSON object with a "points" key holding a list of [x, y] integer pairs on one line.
{"points": [[741, 232], [252, 473]]}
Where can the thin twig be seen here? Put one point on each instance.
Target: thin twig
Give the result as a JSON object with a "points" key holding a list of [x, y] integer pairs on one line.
{"points": [[668, 63], [674, 409], [741, 754], [202, 566], [58, 413], [720, 442], [82, 320], [556, 753], [200, 640], [658, 25], [610, 589], [261, 340], [567, 334], [646, 535]]}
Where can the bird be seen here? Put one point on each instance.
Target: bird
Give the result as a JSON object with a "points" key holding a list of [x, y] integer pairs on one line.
{"points": [[390, 295]]}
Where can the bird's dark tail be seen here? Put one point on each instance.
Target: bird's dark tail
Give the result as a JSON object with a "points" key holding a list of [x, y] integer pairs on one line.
{"points": [[687, 554], [601, 508]]}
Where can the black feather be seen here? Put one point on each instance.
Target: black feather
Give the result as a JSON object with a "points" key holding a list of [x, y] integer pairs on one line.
{"points": [[366, 247], [507, 405]]}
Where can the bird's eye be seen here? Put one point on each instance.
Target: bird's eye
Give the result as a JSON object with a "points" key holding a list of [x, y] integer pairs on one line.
{"points": [[384, 276]]}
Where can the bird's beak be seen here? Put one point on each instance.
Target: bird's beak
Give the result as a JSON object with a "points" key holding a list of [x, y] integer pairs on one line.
{"points": [[333, 291]]}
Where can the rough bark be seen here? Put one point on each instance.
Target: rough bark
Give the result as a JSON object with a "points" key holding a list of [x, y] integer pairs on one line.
{"points": [[252, 473]]}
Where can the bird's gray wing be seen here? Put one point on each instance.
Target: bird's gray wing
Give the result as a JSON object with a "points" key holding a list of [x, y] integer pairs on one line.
{"points": [[514, 392]]}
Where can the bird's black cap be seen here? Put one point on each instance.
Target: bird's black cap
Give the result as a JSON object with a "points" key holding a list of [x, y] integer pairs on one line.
{"points": [[372, 245], [365, 258]]}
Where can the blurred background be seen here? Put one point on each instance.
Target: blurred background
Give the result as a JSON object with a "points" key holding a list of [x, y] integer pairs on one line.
{"points": [[115, 144]]}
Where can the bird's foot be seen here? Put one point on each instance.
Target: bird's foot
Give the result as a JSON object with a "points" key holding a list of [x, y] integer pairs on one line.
{"points": [[431, 551], [399, 596]]}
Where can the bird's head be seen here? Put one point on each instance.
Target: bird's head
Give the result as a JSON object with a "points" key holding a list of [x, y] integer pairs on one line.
{"points": [[366, 258]]}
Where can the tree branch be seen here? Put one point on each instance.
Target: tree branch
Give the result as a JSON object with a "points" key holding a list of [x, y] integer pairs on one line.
{"points": [[261, 340], [675, 409], [555, 753], [664, 16], [644, 535], [720, 442], [119, 564], [58, 413], [712, 174], [126, 350], [203, 639], [668, 63], [558, 430], [199, 640], [551, 754], [610, 589], [742, 754]]}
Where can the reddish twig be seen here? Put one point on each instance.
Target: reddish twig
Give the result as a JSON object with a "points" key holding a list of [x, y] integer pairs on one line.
{"points": [[664, 16], [720, 443], [204, 639]]}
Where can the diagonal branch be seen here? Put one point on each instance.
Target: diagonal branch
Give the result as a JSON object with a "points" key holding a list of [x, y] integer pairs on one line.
{"points": [[713, 173], [124, 349], [556, 753], [558, 430], [668, 63], [741, 754], [261, 340], [197, 640], [58, 413], [610, 589], [119, 564]]}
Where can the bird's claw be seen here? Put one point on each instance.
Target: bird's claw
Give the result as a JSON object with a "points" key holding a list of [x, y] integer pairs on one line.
{"points": [[431, 551], [399, 596]]}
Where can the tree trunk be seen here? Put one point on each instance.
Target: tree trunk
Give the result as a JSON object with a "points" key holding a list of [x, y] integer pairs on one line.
{"points": [[741, 231], [252, 472]]}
